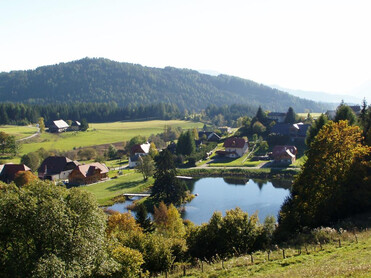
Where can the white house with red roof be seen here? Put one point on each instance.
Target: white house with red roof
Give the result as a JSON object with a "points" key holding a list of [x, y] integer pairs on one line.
{"points": [[137, 151], [234, 147]]}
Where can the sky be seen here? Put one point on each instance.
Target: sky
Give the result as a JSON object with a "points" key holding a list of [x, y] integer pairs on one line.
{"points": [[316, 45]]}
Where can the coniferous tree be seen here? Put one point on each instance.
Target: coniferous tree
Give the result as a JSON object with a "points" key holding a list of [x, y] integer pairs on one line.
{"points": [[345, 113], [167, 187], [290, 116]]}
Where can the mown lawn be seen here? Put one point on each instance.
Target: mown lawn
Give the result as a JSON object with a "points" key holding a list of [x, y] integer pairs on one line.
{"points": [[129, 182], [18, 131], [103, 133], [242, 161]]}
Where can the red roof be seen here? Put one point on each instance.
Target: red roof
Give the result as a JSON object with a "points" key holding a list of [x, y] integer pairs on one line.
{"points": [[88, 169], [283, 150], [9, 171], [234, 142]]}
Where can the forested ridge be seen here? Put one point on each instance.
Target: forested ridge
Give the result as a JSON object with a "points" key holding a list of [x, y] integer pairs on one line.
{"points": [[127, 85]]}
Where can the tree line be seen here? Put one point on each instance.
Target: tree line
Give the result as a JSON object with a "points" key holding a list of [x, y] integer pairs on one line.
{"points": [[23, 114]]}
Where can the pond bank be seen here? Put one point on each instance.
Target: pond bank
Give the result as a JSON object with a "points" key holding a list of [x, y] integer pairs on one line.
{"points": [[263, 173]]}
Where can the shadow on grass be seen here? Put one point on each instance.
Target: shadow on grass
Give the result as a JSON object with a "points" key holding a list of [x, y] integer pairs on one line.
{"points": [[125, 185]]}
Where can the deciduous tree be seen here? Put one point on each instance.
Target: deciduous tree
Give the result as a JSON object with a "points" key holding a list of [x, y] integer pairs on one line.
{"points": [[49, 229]]}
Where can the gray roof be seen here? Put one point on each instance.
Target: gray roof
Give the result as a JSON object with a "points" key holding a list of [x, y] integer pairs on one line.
{"points": [[60, 124]]}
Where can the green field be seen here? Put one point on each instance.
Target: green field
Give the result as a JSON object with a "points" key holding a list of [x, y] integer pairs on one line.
{"points": [[242, 161], [129, 182], [314, 115], [18, 131], [352, 259], [103, 133]]}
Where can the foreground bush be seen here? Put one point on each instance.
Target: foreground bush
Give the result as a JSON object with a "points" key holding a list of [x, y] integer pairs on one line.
{"points": [[47, 230]]}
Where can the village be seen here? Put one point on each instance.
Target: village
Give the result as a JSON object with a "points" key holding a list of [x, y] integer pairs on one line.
{"points": [[228, 150]]}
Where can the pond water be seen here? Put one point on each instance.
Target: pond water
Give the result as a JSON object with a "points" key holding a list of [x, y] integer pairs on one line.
{"points": [[221, 194]]}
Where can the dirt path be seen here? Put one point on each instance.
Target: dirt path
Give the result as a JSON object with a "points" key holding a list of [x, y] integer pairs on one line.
{"points": [[31, 136]]}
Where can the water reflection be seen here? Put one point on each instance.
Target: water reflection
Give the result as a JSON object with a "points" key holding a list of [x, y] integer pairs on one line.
{"points": [[216, 194]]}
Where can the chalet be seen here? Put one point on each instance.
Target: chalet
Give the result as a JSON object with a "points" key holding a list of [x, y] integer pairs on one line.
{"points": [[75, 126], [296, 132], [58, 126], [137, 151], [56, 168], [278, 117], [210, 136], [8, 171], [234, 147], [87, 174], [284, 154]]}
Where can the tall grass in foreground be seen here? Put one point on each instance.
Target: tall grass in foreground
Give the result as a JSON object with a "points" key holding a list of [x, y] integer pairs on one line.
{"points": [[346, 254]]}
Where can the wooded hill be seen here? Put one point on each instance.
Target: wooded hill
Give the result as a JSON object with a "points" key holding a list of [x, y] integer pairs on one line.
{"points": [[102, 80]]}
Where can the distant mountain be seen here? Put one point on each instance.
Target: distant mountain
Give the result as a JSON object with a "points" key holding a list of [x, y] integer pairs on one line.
{"points": [[321, 96], [102, 81]]}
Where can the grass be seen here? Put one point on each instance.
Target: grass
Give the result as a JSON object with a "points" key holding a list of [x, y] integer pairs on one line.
{"points": [[299, 162], [129, 182], [242, 161], [102, 133], [314, 115], [352, 259], [18, 131]]}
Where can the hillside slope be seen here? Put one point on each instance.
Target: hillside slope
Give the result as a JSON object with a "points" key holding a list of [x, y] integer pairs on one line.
{"points": [[102, 80]]}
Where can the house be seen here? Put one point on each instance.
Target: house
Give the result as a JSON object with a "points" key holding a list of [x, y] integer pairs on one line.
{"points": [[75, 126], [137, 151], [296, 132], [88, 173], [234, 147], [56, 168], [209, 135], [58, 126], [284, 154], [9, 170], [278, 117]]}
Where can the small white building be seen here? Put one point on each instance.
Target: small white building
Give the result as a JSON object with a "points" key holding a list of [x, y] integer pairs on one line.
{"points": [[137, 151]]}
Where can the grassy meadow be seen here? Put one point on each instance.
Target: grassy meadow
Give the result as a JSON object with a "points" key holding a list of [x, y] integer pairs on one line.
{"points": [[351, 259], [102, 133], [18, 131]]}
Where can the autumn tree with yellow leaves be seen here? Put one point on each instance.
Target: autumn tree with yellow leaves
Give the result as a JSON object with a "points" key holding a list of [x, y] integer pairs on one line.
{"points": [[334, 183]]}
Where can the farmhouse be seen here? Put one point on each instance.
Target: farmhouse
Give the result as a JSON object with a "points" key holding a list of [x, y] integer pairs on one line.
{"points": [[296, 131], [8, 171], [89, 173], [75, 126], [137, 151], [56, 168], [58, 126], [284, 154], [234, 147]]}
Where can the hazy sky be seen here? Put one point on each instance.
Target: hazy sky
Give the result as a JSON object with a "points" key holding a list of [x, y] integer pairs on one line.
{"points": [[311, 45]]}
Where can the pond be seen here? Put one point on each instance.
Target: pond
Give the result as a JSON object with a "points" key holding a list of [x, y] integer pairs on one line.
{"points": [[220, 194]]}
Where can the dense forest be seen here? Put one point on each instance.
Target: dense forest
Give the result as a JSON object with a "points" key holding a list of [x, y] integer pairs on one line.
{"points": [[127, 85], [23, 114]]}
